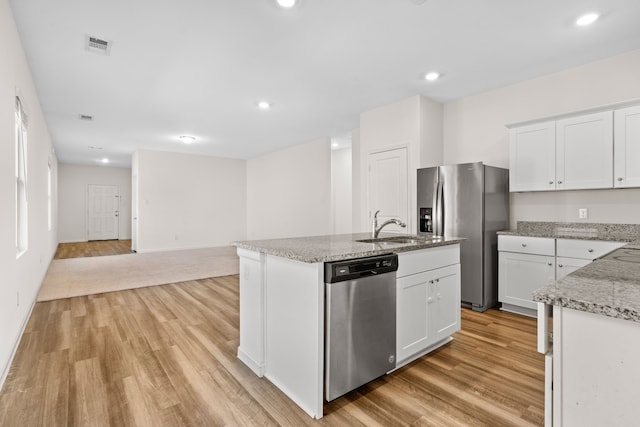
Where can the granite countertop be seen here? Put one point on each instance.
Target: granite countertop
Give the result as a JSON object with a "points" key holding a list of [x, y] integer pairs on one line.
{"points": [[607, 287], [340, 246], [577, 230]]}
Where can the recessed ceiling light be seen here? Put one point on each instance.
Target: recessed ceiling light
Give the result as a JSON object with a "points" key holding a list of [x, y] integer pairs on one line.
{"points": [[334, 144], [264, 105], [431, 76], [286, 3], [187, 139], [587, 19], [105, 160]]}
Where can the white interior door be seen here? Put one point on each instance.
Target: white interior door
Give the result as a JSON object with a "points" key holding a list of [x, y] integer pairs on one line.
{"points": [[103, 210], [134, 213], [389, 187]]}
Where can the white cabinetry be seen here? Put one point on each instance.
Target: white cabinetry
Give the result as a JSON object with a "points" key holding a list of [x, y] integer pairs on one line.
{"points": [[524, 265], [252, 300], [428, 300], [627, 147], [571, 254], [532, 157], [568, 154], [584, 152]]}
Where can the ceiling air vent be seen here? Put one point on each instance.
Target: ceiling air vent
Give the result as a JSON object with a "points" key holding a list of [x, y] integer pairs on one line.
{"points": [[95, 44]]}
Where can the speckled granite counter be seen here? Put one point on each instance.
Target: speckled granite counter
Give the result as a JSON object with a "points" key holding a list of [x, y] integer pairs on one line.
{"points": [[606, 287], [338, 247], [577, 230]]}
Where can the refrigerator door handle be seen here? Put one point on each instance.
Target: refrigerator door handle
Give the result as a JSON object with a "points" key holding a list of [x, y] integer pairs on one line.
{"points": [[438, 222]]}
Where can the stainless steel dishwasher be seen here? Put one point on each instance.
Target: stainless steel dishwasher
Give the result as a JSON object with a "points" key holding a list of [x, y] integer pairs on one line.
{"points": [[360, 322]]}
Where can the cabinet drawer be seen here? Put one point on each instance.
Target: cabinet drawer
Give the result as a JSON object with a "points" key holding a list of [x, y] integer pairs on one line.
{"points": [[527, 245], [427, 259], [585, 249]]}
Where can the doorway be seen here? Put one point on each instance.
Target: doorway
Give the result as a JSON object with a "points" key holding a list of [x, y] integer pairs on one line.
{"points": [[103, 212]]}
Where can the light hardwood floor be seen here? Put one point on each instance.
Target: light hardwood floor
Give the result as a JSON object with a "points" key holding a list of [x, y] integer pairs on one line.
{"points": [[166, 356], [93, 248]]}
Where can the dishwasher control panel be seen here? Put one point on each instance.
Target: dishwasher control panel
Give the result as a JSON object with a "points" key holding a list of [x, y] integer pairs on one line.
{"points": [[359, 267]]}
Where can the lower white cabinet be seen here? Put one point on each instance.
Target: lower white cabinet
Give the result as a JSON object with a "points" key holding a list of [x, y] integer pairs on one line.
{"points": [[524, 265], [519, 275], [571, 254], [428, 302]]}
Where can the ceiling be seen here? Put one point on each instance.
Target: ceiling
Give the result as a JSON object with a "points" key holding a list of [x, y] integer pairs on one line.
{"points": [[199, 67]]}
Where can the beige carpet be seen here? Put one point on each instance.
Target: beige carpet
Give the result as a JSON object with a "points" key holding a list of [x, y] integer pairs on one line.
{"points": [[85, 276]]}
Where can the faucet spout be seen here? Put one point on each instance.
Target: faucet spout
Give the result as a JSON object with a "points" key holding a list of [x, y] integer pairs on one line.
{"points": [[376, 229]]}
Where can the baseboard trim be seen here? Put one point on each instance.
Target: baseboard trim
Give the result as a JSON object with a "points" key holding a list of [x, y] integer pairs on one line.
{"points": [[5, 371]]}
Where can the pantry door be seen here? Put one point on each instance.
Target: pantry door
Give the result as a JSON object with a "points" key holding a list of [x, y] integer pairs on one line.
{"points": [[102, 210], [389, 187]]}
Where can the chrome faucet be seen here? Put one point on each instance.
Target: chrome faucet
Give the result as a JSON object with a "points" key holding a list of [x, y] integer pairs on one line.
{"points": [[375, 229]]}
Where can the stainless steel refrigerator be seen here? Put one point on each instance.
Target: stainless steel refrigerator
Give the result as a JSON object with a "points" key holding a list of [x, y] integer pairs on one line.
{"points": [[469, 200]]}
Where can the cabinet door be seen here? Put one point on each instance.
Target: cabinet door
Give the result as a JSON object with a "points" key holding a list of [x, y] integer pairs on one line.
{"points": [[521, 274], [584, 152], [627, 148], [444, 301], [566, 266], [412, 320], [532, 157]]}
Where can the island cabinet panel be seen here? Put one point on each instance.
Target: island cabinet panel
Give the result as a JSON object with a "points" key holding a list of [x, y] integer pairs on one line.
{"points": [[428, 301], [596, 369], [294, 294], [251, 348]]}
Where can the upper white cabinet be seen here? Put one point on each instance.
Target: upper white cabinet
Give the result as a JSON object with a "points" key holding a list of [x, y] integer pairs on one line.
{"points": [[627, 148], [568, 154], [584, 152], [588, 151], [532, 157]]}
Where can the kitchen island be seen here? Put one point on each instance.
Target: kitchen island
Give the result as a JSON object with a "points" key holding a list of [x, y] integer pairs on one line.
{"points": [[282, 304], [592, 363]]}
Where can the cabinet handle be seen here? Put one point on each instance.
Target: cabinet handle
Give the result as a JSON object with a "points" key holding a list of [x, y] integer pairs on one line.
{"points": [[549, 264], [437, 280], [620, 179], [551, 182], [559, 182], [524, 245], [589, 250], [431, 281], [560, 265]]}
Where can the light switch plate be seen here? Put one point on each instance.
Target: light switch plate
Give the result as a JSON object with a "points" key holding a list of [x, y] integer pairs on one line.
{"points": [[583, 213]]}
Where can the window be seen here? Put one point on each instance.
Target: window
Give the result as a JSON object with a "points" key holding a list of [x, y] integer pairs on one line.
{"points": [[21, 180]]}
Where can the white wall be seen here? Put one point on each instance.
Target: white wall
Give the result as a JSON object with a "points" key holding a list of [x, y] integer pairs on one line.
{"points": [[73, 181], [474, 130], [289, 192], [415, 123], [341, 191], [189, 201], [21, 278]]}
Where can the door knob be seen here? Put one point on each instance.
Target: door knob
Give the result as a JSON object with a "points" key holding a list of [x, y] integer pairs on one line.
{"points": [[620, 179], [559, 182]]}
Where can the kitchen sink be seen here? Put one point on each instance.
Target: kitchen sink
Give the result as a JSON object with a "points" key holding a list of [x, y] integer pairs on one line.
{"points": [[406, 240]]}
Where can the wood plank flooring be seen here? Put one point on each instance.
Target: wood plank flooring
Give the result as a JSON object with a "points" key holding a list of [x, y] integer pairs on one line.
{"points": [[166, 356], [93, 248]]}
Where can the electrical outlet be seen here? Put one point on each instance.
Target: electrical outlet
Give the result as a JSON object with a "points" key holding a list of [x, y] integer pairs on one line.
{"points": [[583, 213]]}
